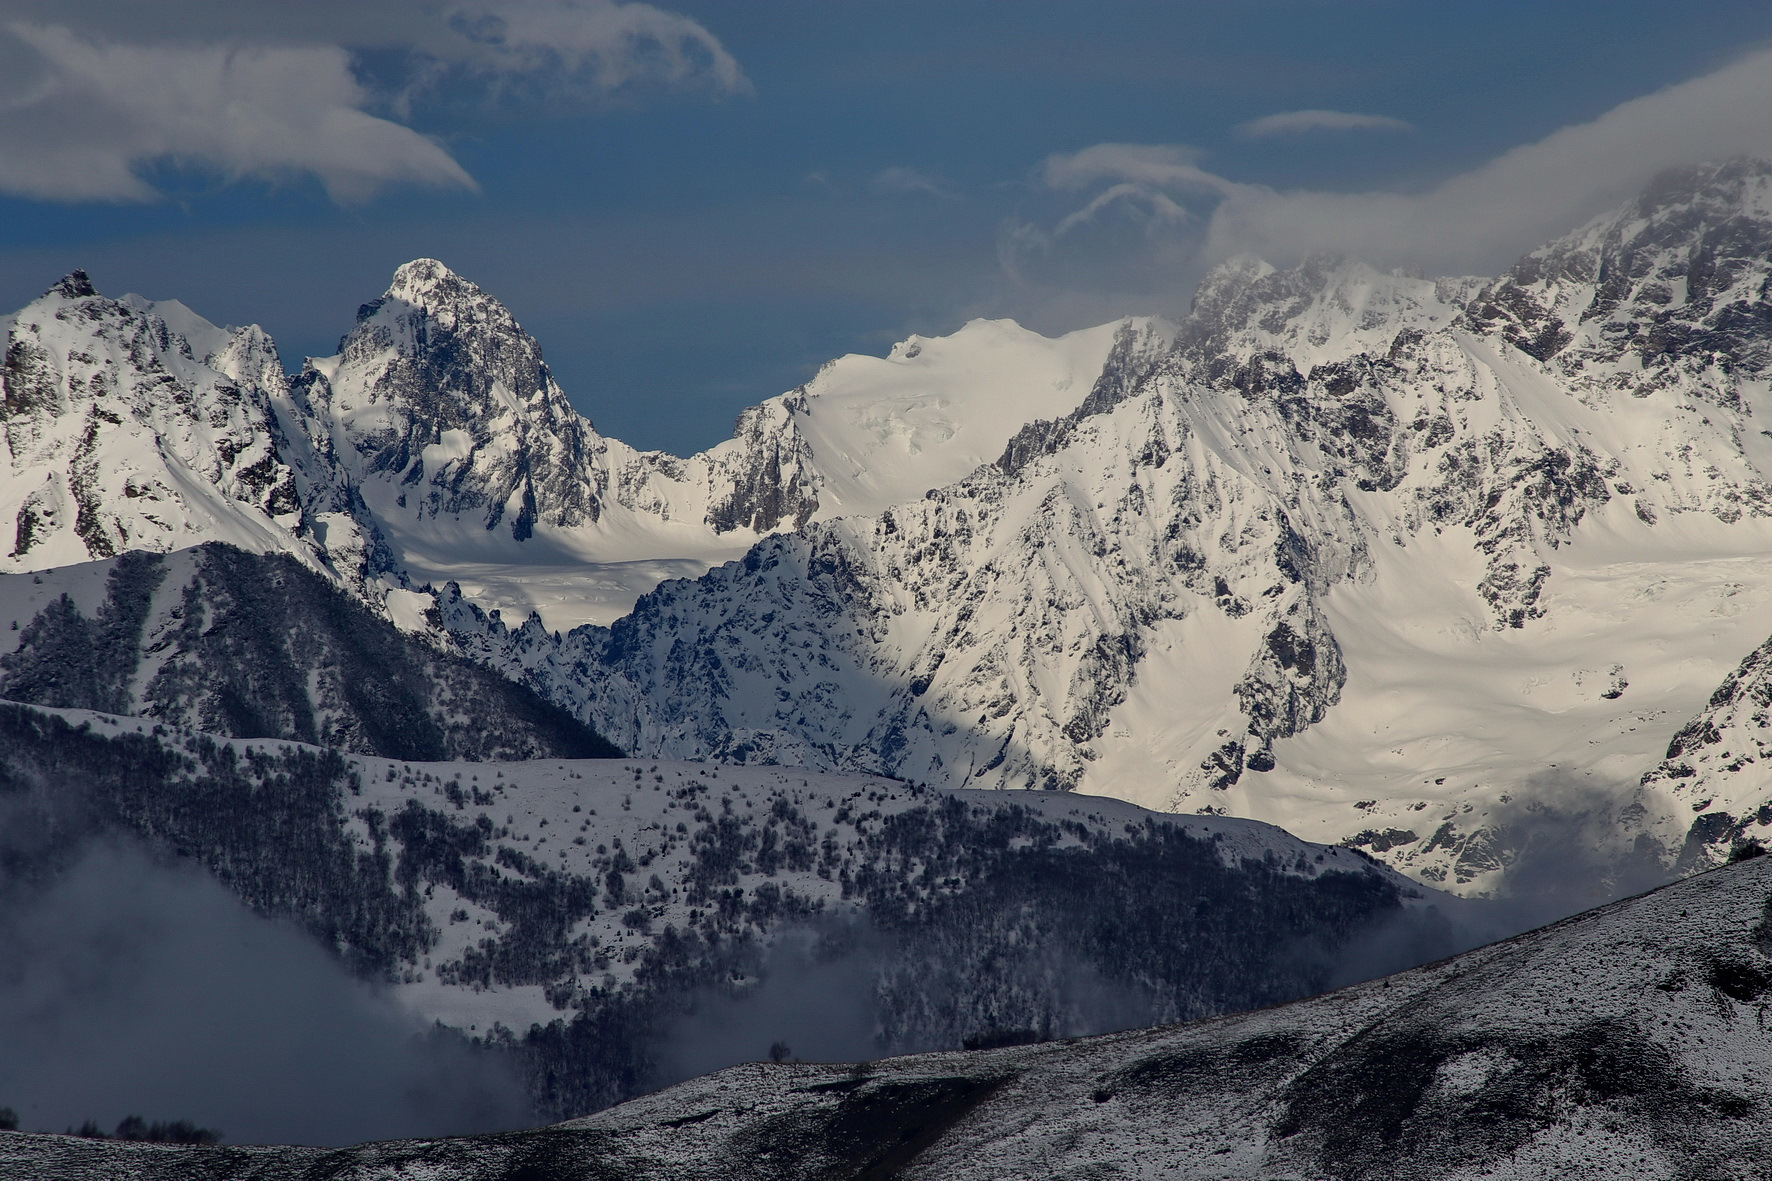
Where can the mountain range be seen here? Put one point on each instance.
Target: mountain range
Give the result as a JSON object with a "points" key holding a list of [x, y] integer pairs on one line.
{"points": [[1385, 560], [1344, 593]]}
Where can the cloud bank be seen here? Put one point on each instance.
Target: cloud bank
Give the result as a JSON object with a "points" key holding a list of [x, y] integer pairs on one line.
{"points": [[98, 113], [1478, 221], [128, 987]]}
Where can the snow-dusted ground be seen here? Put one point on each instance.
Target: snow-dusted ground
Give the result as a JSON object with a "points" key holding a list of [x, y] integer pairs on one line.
{"points": [[562, 812], [1627, 1043], [571, 817]]}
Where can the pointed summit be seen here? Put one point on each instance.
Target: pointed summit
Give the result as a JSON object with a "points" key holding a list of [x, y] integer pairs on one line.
{"points": [[76, 284], [435, 354], [418, 279], [428, 287]]}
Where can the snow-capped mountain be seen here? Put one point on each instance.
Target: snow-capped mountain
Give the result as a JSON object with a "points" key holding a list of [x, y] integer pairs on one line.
{"points": [[1627, 1042], [132, 425], [1368, 556], [436, 446], [1379, 558], [477, 470]]}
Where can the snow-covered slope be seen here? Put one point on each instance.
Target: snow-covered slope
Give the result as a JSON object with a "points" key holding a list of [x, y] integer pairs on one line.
{"points": [[122, 432], [478, 471], [1351, 556], [882, 431], [1625, 1043]]}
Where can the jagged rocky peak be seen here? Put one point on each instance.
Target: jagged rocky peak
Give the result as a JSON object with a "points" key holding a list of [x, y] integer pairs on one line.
{"points": [[1667, 277], [108, 408], [439, 392], [76, 284]]}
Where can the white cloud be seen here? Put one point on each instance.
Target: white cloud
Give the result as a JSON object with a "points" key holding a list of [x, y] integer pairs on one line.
{"points": [[86, 108], [903, 181], [609, 44], [1474, 222], [1299, 122], [1149, 166], [97, 113], [1158, 206]]}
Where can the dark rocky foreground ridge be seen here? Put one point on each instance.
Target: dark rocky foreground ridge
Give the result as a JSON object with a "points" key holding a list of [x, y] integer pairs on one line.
{"points": [[1629, 1041]]}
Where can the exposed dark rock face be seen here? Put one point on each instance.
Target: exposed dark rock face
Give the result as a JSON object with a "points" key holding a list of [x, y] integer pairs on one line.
{"points": [[258, 646], [1676, 280], [772, 481], [437, 356]]}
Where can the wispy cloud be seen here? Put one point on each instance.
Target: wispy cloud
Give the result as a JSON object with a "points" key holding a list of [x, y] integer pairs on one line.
{"points": [[1300, 122], [606, 43], [1151, 166], [1143, 176], [1481, 219], [901, 180]]}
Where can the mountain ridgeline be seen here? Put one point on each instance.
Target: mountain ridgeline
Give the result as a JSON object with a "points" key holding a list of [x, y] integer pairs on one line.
{"points": [[1462, 579], [260, 646]]}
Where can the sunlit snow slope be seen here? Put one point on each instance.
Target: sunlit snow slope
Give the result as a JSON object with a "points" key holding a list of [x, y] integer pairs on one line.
{"points": [[1380, 558]]}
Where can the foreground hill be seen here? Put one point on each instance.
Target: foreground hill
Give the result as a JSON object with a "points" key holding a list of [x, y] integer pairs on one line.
{"points": [[1627, 1042], [585, 915]]}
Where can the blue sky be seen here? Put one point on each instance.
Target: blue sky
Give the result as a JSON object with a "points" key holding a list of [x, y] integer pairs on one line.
{"points": [[694, 204]]}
